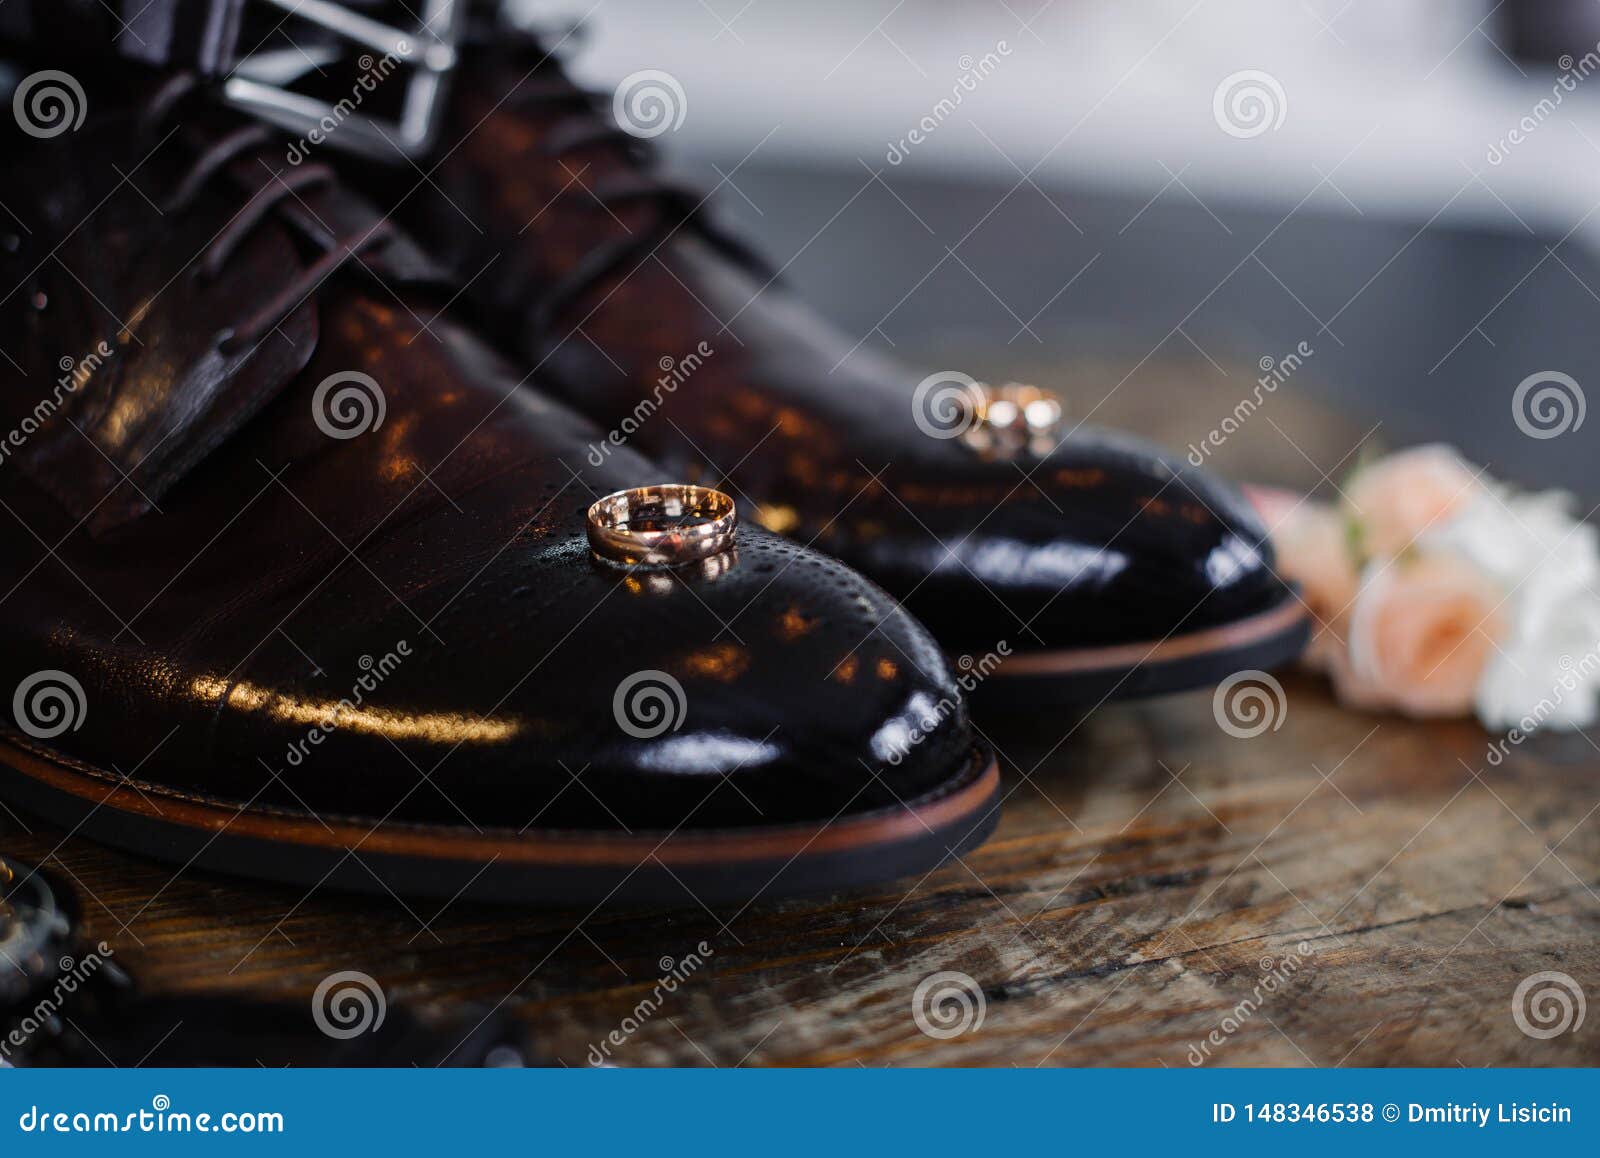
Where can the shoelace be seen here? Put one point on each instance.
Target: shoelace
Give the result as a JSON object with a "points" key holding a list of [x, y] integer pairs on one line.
{"points": [[214, 158], [582, 122]]}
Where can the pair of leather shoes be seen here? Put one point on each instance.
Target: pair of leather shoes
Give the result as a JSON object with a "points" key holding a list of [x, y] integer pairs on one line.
{"points": [[302, 584], [298, 582], [1102, 565]]}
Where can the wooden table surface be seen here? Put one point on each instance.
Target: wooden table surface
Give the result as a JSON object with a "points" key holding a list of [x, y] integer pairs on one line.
{"points": [[1346, 889]]}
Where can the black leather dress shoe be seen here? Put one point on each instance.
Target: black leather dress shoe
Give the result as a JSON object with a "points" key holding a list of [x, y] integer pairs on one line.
{"points": [[1085, 563], [297, 582]]}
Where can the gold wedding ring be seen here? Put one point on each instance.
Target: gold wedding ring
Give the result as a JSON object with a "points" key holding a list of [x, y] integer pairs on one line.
{"points": [[662, 526], [1013, 419]]}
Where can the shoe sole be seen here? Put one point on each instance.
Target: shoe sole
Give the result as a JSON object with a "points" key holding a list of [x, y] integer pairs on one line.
{"points": [[1090, 676], [545, 867]]}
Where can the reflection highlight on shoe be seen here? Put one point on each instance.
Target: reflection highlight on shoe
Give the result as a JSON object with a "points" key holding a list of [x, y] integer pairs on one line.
{"points": [[1006, 561], [645, 579], [707, 752], [722, 661], [903, 731], [344, 716], [1230, 559]]}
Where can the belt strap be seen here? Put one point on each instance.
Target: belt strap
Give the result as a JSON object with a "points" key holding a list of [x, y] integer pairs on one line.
{"points": [[194, 35], [245, 46], [211, 37]]}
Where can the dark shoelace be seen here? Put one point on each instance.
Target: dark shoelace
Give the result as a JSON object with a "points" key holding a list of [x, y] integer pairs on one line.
{"points": [[215, 158], [582, 122]]}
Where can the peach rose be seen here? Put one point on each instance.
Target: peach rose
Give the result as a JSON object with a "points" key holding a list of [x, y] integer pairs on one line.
{"points": [[1313, 549], [1421, 635], [1397, 498], [1351, 689]]}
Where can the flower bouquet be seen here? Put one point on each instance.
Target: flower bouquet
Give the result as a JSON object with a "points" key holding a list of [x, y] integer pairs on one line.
{"points": [[1439, 592]]}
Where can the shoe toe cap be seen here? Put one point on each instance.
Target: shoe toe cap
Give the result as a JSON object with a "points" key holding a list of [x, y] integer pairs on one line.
{"points": [[1108, 539], [770, 686]]}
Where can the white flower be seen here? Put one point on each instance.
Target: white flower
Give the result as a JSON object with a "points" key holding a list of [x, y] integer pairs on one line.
{"points": [[1547, 670], [1516, 537], [1547, 675]]}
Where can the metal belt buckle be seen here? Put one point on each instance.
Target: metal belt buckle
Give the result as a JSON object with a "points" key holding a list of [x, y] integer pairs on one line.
{"points": [[36, 925], [258, 83]]}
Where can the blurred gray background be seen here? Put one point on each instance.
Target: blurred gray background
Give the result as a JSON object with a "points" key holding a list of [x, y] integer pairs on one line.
{"points": [[1127, 197]]}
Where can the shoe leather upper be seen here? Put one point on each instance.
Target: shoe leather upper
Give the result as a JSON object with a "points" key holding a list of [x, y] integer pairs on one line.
{"points": [[405, 622], [1106, 539]]}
